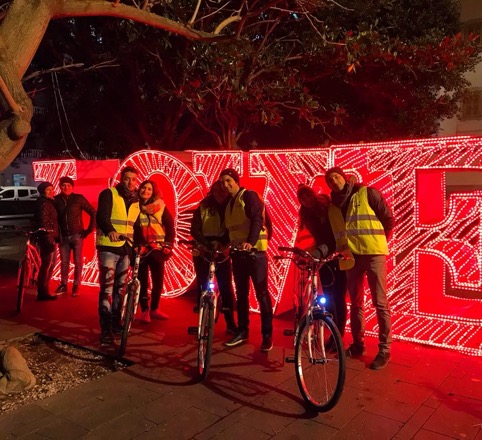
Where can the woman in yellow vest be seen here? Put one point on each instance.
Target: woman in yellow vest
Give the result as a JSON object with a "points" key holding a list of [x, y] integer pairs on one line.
{"points": [[319, 240], [155, 222], [208, 229]]}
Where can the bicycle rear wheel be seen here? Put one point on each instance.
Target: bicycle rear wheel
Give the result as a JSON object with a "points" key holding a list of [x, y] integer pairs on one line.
{"points": [[205, 340], [127, 319], [320, 362], [22, 281]]}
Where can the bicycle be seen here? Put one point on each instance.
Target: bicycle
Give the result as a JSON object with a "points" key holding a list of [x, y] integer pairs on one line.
{"points": [[208, 307], [319, 359], [28, 266], [130, 300]]}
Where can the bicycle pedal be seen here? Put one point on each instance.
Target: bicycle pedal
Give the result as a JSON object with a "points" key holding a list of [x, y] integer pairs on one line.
{"points": [[290, 360], [288, 332], [195, 309], [192, 331]]}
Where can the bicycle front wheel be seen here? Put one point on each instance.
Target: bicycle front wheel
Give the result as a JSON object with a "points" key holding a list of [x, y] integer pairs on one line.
{"points": [[320, 362], [127, 320], [22, 281], [205, 340]]}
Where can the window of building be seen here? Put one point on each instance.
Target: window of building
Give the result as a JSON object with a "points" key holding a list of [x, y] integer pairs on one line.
{"points": [[472, 104]]}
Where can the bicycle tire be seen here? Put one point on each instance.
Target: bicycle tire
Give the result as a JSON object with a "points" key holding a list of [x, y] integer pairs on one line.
{"points": [[205, 340], [127, 320], [320, 378], [22, 280]]}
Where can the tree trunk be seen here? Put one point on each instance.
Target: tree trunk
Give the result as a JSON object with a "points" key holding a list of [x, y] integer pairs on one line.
{"points": [[21, 32]]}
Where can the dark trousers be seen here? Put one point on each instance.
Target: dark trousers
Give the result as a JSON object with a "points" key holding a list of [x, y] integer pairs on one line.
{"points": [[254, 268], [47, 263], [333, 282], [224, 278], [155, 262]]}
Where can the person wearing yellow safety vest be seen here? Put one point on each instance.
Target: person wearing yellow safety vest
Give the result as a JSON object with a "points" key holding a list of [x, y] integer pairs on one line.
{"points": [[117, 211], [249, 226], [362, 221], [155, 222], [208, 229], [319, 240]]}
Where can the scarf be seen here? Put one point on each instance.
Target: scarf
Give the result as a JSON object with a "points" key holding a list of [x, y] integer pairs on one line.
{"points": [[341, 198]]}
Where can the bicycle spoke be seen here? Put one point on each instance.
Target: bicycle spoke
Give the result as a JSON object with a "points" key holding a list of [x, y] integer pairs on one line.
{"points": [[320, 363]]}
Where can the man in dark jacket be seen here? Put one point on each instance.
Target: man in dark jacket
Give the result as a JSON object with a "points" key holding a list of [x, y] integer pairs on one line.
{"points": [[362, 221], [248, 226], [72, 232]]}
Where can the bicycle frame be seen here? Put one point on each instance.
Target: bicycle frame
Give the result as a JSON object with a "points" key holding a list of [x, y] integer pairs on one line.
{"points": [[209, 295]]}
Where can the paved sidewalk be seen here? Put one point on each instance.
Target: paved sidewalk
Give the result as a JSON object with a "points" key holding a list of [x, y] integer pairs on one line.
{"points": [[424, 393]]}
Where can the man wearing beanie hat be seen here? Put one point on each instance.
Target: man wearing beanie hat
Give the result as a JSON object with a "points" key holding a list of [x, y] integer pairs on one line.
{"points": [[249, 226], [362, 221], [72, 232], [45, 217]]}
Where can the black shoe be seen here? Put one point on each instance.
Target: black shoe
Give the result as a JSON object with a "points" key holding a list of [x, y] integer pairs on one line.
{"points": [[107, 337], [75, 291], [267, 344], [46, 297], [381, 360], [239, 339], [355, 350], [61, 289]]}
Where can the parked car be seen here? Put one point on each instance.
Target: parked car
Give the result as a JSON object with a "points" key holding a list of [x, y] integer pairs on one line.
{"points": [[18, 193], [17, 205]]}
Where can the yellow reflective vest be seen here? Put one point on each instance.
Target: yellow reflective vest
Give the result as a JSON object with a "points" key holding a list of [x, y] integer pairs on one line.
{"points": [[152, 227], [361, 231], [238, 224], [122, 221], [211, 222]]}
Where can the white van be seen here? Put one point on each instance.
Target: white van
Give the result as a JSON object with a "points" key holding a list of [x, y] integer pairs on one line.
{"points": [[15, 193]]}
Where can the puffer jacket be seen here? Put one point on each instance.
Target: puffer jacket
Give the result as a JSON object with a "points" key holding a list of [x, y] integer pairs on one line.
{"points": [[46, 217], [69, 210]]}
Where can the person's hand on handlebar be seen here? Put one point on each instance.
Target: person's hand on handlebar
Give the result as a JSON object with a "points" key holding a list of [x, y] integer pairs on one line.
{"points": [[246, 246], [114, 236]]}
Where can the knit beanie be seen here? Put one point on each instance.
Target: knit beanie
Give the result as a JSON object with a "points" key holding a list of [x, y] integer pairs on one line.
{"points": [[43, 186], [66, 179], [230, 172], [336, 170]]}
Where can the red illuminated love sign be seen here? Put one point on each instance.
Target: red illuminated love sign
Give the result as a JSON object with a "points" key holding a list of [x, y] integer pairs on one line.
{"points": [[434, 187]]}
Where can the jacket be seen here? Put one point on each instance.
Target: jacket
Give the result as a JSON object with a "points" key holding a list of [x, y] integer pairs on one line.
{"points": [[69, 211]]}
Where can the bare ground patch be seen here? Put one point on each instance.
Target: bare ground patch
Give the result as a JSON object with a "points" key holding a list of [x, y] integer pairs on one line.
{"points": [[57, 366]]}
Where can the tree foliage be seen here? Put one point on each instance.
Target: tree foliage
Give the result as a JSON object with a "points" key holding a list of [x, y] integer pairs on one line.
{"points": [[284, 73]]}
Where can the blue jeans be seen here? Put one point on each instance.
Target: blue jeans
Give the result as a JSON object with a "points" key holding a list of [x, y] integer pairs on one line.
{"points": [[113, 270], [75, 243], [375, 268]]}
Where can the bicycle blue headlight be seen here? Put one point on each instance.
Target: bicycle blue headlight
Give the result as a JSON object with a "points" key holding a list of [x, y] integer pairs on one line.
{"points": [[321, 300], [211, 286]]}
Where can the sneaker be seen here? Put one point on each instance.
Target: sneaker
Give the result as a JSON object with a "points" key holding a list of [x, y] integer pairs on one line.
{"points": [[75, 291], [355, 350], [381, 360], [106, 338], [267, 344], [156, 314], [238, 339], [146, 317], [46, 297], [61, 289]]}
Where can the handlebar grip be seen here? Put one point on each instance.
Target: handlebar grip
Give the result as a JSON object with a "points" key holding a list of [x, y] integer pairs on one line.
{"points": [[186, 242], [286, 249]]}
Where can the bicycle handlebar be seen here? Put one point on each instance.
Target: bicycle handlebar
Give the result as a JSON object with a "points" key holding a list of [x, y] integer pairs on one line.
{"points": [[306, 255], [163, 244]]}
